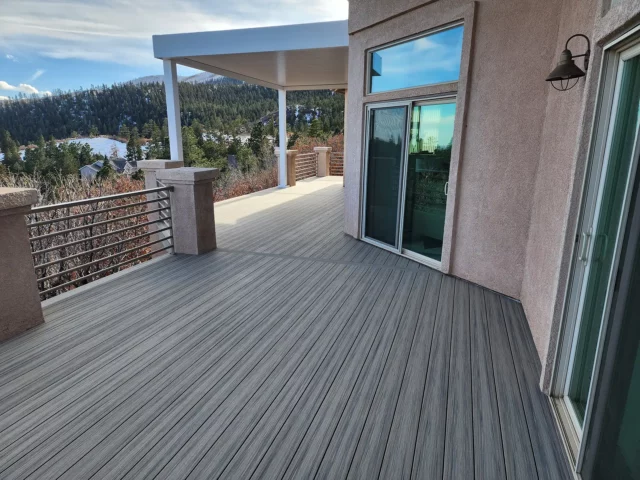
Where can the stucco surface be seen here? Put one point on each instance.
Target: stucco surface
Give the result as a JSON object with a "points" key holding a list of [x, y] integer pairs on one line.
{"points": [[364, 13], [557, 170], [19, 300], [192, 215]]}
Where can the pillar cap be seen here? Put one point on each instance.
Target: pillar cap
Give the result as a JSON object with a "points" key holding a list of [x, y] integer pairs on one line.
{"points": [[188, 175], [11, 198], [159, 164], [321, 149]]}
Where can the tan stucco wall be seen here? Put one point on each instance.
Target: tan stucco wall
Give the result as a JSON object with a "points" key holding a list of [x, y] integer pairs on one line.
{"points": [[501, 145]]}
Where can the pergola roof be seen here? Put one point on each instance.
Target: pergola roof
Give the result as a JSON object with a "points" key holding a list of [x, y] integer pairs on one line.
{"points": [[291, 57]]}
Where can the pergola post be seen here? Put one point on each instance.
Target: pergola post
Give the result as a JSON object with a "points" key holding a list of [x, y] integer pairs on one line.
{"points": [[173, 109], [344, 138], [282, 132]]}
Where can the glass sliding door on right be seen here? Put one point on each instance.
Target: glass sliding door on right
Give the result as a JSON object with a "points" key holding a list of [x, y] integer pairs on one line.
{"points": [[602, 238], [427, 178], [610, 194]]}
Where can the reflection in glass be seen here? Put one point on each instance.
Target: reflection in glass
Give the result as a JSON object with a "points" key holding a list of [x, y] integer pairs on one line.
{"points": [[425, 205], [623, 138], [386, 138], [426, 60], [618, 445]]}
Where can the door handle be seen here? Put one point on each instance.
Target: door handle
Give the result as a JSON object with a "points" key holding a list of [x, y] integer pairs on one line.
{"points": [[584, 247], [446, 189]]}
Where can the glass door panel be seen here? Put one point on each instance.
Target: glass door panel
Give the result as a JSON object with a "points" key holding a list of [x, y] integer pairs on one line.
{"points": [[427, 177], [614, 448], [600, 258], [385, 152]]}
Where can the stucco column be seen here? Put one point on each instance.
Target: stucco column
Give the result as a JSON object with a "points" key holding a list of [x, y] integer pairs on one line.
{"points": [[194, 230], [20, 307], [324, 157], [291, 167], [150, 168]]}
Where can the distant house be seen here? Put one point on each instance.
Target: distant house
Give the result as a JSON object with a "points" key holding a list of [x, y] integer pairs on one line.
{"points": [[120, 165]]}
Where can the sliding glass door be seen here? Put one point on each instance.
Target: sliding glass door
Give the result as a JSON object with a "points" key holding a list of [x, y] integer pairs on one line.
{"points": [[406, 176], [427, 178], [385, 154], [602, 236], [596, 287]]}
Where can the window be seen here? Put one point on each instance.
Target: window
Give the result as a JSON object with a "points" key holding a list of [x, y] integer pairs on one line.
{"points": [[427, 60]]}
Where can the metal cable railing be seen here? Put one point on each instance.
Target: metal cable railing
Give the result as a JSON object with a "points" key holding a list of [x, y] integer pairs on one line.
{"points": [[336, 163], [76, 242], [306, 165]]}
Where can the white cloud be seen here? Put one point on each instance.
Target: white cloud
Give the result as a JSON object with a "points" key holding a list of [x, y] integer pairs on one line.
{"points": [[120, 31], [23, 87], [37, 74], [8, 56], [2, 99]]}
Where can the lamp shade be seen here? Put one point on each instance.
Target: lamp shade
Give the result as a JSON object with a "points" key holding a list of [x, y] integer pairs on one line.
{"points": [[566, 69]]}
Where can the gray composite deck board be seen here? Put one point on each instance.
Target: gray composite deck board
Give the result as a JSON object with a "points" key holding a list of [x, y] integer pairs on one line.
{"points": [[293, 351]]}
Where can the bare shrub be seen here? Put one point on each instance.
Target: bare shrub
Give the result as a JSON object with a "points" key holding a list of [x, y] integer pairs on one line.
{"points": [[235, 183]]}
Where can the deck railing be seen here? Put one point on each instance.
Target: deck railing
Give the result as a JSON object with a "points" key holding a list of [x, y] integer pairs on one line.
{"points": [[76, 242], [336, 163], [306, 165]]}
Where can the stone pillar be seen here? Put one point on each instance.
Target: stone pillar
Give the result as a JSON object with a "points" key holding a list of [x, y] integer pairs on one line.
{"points": [[291, 167], [324, 157], [20, 307], [150, 169], [194, 230]]}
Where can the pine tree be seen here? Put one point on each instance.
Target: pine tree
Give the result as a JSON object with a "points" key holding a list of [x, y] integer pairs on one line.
{"points": [[9, 148], [256, 138], [124, 132], [134, 150], [192, 153], [315, 129]]}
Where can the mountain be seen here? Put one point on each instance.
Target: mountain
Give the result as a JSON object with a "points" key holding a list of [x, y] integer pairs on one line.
{"points": [[203, 77], [218, 106]]}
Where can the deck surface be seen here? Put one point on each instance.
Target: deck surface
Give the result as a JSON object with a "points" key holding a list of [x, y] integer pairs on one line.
{"points": [[293, 351]]}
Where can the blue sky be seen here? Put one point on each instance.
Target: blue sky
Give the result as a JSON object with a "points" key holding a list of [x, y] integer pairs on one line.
{"points": [[426, 60], [67, 44]]}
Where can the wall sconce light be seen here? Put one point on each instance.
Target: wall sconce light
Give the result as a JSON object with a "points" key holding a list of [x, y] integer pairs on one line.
{"points": [[565, 76]]}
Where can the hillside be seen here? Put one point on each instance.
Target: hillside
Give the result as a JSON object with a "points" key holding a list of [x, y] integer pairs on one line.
{"points": [[204, 77], [216, 105]]}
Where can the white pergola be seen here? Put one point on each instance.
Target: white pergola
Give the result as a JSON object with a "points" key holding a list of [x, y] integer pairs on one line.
{"points": [[309, 56]]}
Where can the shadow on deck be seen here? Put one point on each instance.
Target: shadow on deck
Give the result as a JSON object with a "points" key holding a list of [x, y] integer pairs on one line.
{"points": [[293, 351]]}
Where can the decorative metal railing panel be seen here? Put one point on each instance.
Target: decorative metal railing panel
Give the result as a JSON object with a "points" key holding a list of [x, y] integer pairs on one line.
{"points": [[306, 165], [77, 242], [336, 163]]}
